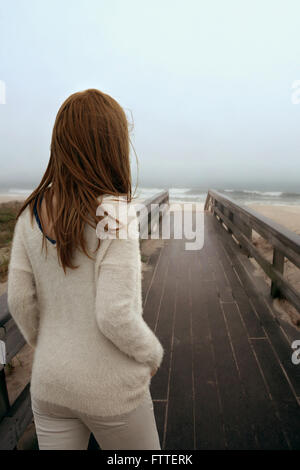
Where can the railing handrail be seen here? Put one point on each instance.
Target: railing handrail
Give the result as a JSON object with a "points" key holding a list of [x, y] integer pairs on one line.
{"points": [[155, 198], [240, 221], [288, 237]]}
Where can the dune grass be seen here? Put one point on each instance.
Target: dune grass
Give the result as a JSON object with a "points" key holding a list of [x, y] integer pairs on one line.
{"points": [[8, 212]]}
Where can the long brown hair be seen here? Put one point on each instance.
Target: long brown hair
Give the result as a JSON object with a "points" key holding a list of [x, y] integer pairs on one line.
{"points": [[89, 157]]}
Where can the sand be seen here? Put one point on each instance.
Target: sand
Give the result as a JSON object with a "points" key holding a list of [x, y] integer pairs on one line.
{"points": [[12, 197], [288, 216]]}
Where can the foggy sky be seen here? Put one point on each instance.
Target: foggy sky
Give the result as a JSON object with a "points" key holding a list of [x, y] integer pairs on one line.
{"points": [[208, 84]]}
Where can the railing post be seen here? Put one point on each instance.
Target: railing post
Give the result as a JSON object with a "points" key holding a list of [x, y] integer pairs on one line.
{"points": [[278, 263], [246, 230], [230, 217], [218, 206], [4, 400], [207, 204]]}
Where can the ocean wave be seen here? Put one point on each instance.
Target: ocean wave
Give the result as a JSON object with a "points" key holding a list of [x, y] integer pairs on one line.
{"points": [[256, 192], [149, 190], [179, 190], [263, 193], [188, 196]]}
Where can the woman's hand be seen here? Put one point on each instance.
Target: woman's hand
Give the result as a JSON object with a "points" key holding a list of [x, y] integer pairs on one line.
{"points": [[153, 372]]}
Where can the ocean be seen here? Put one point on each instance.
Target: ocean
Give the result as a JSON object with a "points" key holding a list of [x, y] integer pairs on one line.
{"points": [[243, 196]]}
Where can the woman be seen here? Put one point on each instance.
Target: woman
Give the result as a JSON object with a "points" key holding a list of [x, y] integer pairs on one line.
{"points": [[77, 298]]}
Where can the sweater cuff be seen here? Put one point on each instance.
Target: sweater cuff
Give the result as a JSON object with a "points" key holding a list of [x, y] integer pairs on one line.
{"points": [[156, 356]]}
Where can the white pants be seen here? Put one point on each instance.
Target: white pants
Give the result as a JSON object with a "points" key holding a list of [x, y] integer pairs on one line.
{"points": [[59, 428]]}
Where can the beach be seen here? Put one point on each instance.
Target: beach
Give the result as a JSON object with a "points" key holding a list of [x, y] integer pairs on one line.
{"points": [[288, 215], [9, 197]]}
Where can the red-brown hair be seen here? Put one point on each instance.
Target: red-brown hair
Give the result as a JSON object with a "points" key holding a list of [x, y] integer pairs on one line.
{"points": [[89, 157]]}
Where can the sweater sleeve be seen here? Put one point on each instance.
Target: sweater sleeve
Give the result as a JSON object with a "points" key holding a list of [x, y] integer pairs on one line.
{"points": [[21, 292], [118, 284]]}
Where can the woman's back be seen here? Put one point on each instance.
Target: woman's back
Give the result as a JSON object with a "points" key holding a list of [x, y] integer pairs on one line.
{"points": [[76, 362]]}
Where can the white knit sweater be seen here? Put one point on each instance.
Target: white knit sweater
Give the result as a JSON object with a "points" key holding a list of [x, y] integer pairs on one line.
{"points": [[93, 350]]}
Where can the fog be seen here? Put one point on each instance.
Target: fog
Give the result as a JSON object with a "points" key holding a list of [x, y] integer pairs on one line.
{"points": [[207, 85]]}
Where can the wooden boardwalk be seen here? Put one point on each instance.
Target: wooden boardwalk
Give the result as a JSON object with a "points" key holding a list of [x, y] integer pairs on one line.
{"points": [[227, 380]]}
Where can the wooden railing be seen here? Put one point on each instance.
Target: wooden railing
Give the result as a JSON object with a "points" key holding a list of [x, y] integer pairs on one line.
{"points": [[16, 417], [153, 206], [13, 419], [240, 221]]}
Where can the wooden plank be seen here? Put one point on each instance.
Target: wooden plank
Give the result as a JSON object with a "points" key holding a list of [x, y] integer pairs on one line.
{"points": [[165, 325], [261, 407], [18, 418], [287, 406], [250, 319], [225, 256], [280, 344], [160, 414], [149, 272], [4, 400], [270, 324], [156, 289], [180, 412], [209, 425], [291, 331], [14, 340], [7, 434], [223, 286], [237, 421]]}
